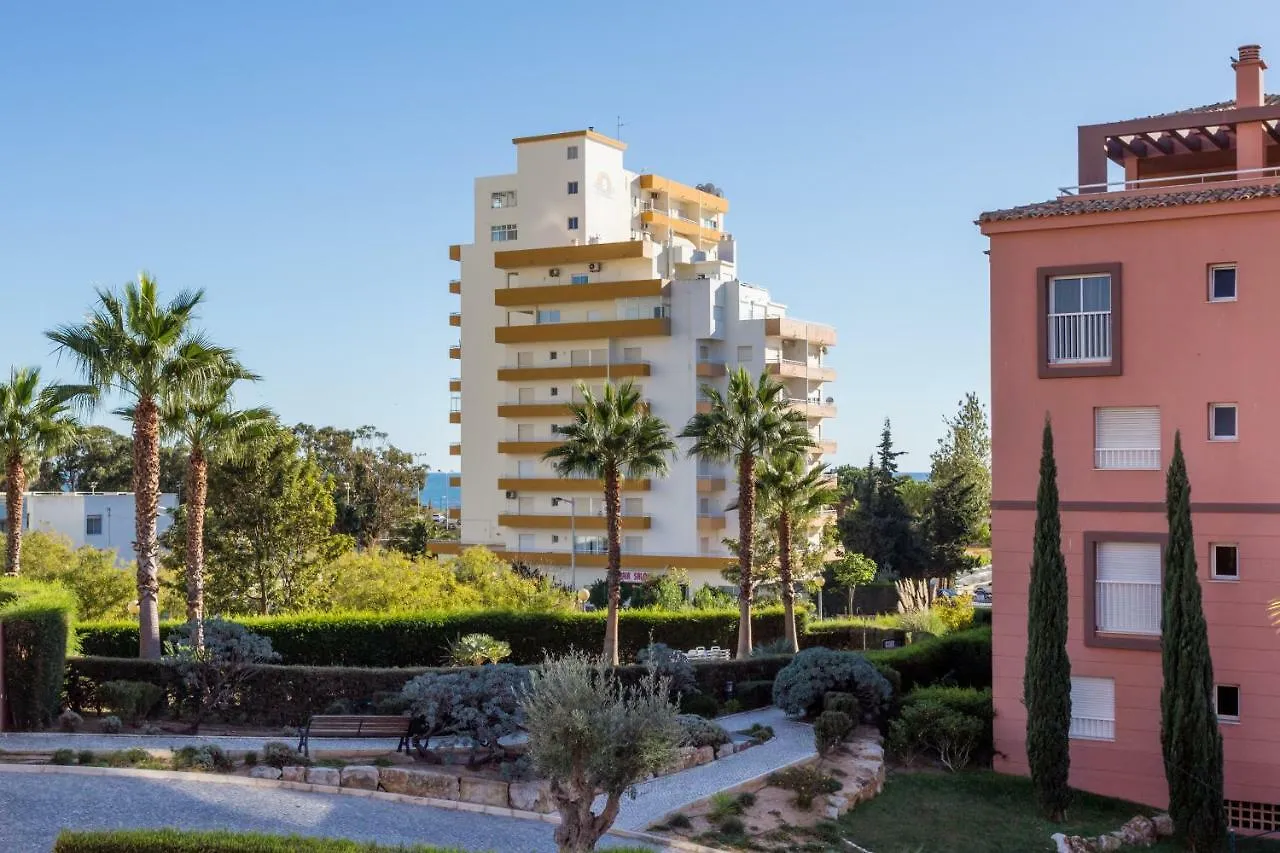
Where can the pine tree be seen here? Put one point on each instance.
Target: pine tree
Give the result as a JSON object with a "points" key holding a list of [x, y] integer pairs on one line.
{"points": [[1189, 734], [1047, 679], [895, 533]]}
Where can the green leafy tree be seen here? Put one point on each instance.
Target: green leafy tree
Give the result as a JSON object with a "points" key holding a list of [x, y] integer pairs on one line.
{"points": [[791, 496], [376, 486], [915, 495], [268, 528], [36, 422], [947, 528], [147, 351], [852, 571], [879, 524], [209, 429], [964, 452], [1189, 734], [612, 437], [102, 589], [1047, 676], [751, 422], [98, 459]]}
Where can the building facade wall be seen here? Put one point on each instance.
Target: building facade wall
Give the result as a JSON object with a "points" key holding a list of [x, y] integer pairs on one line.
{"points": [[65, 514]]}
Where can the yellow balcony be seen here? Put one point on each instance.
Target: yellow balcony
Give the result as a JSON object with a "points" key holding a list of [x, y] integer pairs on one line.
{"points": [[711, 369], [684, 192], [532, 410], [575, 371], [455, 417], [564, 484], [455, 481], [825, 447], [455, 319], [703, 407], [455, 449], [583, 253], [710, 522], [455, 384], [550, 332], [517, 448], [560, 521], [814, 411], [455, 252], [455, 286], [595, 291], [681, 226], [455, 513], [798, 330], [801, 370], [711, 484], [455, 351]]}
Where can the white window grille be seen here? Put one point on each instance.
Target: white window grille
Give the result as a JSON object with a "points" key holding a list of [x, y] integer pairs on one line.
{"points": [[502, 199], [1127, 438], [502, 233], [1127, 594], [1080, 319], [1093, 708]]}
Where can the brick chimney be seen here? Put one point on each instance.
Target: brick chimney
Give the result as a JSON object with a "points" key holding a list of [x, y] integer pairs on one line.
{"points": [[1251, 142]]}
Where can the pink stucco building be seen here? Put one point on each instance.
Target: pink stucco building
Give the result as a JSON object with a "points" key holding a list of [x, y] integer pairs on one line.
{"points": [[1144, 301]]}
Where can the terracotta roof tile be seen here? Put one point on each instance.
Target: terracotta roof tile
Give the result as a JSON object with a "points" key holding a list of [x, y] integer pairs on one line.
{"points": [[1221, 106], [1076, 205]]}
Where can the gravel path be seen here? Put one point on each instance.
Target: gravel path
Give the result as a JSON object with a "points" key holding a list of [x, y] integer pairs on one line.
{"points": [[49, 741], [36, 807]]}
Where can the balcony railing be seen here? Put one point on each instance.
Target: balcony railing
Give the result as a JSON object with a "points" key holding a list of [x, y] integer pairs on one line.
{"points": [[1128, 607], [1127, 458], [1170, 181], [1080, 338]]}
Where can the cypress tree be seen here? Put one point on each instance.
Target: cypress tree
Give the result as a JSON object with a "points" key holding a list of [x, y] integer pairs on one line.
{"points": [[1189, 734], [1047, 679]]}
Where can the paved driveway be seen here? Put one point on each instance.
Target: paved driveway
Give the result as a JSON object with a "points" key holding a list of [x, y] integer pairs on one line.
{"points": [[36, 806]]}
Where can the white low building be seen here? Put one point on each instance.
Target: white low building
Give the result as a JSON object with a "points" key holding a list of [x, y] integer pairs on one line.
{"points": [[99, 519]]}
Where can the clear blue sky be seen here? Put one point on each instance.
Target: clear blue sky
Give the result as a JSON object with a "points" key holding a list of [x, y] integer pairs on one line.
{"points": [[307, 163]]}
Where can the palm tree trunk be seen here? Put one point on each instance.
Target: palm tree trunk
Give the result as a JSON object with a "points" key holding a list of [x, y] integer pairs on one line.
{"points": [[788, 590], [15, 488], [197, 492], [746, 542], [612, 511], [146, 496]]}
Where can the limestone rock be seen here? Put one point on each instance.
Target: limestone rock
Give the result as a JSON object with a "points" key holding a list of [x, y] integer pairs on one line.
{"points": [[1107, 843], [688, 757], [1163, 825], [264, 772], [724, 751], [419, 783], [453, 749], [516, 743], [487, 792], [532, 796], [295, 773], [1139, 832], [324, 776], [1072, 843], [360, 776], [706, 754]]}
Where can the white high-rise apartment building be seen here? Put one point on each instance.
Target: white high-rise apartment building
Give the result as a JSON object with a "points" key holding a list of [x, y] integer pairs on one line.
{"points": [[584, 272]]}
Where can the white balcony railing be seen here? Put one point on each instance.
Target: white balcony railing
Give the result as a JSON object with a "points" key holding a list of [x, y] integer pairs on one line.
{"points": [[1088, 728], [1127, 458], [1128, 607], [1080, 338]]}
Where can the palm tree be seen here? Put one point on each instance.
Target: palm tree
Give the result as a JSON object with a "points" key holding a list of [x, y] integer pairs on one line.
{"points": [[149, 352], [751, 421], [211, 431], [612, 437], [35, 424], [791, 495]]}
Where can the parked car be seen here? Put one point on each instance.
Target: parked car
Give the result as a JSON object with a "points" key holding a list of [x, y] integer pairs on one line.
{"points": [[982, 595]]}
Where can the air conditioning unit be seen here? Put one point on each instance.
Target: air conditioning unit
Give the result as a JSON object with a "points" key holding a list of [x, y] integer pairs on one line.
{"points": [[555, 272], [512, 495], [702, 275], [595, 266]]}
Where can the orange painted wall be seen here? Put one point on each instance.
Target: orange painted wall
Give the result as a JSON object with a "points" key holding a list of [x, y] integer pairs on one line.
{"points": [[1181, 353]]}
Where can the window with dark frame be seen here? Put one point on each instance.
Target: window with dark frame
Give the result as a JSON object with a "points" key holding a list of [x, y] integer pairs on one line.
{"points": [[1227, 702], [1224, 561], [1223, 424], [572, 152], [93, 525], [573, 223], [1222, 283], [573, 188]]}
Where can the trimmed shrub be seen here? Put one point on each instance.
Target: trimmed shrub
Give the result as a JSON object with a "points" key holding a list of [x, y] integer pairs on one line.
{"points": [[930, 728], [85, 757], [670, 664], [63, 757], [131, 700], [422, 640], [806, 782], [481, 703], [176, 841], [754, 694], [851, 636], [699, 705], [845, 703], [830, 729], [70, 721], [111, 724], [208, 758], [700, 732], [801, 685], [964, 700], [36, 619], [961, 659], [278, 754]]}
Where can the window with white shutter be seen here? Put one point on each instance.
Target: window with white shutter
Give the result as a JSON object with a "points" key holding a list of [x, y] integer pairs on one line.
{"points": [[1127, 598], [1127, 438], [1093, 708]]}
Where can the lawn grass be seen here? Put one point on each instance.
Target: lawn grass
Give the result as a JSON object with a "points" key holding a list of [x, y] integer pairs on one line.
{"points": [[979, 812]]}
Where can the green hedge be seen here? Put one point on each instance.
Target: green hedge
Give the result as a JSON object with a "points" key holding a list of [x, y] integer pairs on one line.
{"points": [[966, 700], [960, 659], [36, 620], [288, 695], [422, 639], [850, 637], [176, 841]]}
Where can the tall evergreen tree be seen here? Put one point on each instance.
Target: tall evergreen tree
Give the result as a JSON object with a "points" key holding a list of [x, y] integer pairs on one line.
{"points": [[894, 530], [1046, 681], [1189, 732]]}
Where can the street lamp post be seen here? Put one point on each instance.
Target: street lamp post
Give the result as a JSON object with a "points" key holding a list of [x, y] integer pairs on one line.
{"points": [[573, 537]]}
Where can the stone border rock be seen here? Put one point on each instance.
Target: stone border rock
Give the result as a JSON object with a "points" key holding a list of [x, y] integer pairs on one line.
{"points": [[1137, 832]]}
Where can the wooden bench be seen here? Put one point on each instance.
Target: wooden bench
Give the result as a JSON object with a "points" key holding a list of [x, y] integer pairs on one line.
{"points": [[356, 727]]}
